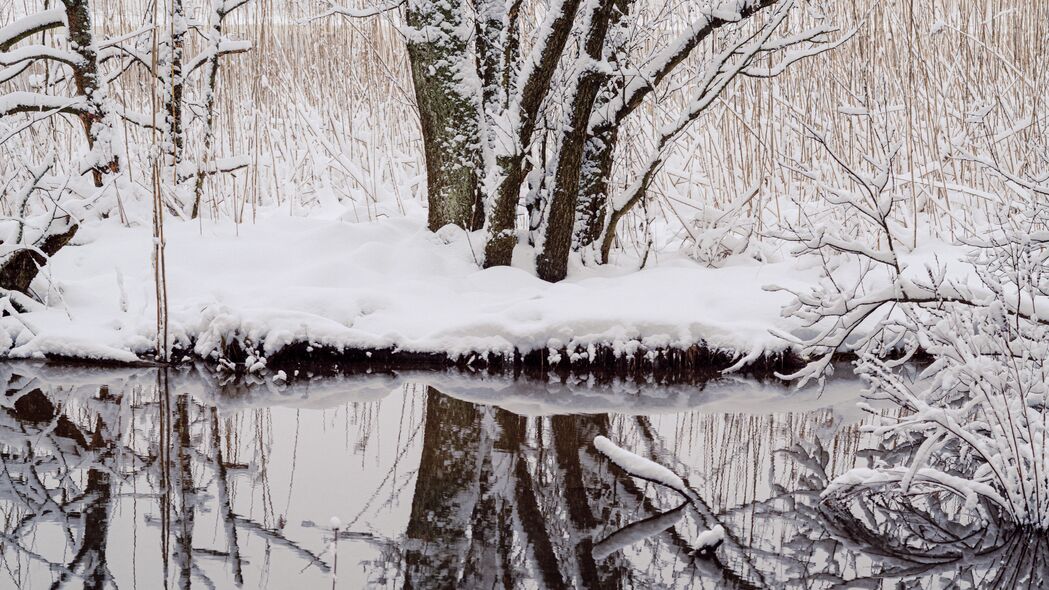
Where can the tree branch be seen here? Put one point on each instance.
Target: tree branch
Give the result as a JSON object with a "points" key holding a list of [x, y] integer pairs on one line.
{"points": [[39, 52], [14, 103], [660, 65], [28, 26], [336, 10]]}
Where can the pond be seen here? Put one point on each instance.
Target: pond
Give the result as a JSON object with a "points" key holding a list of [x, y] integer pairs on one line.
{"points": [[185, 478]]}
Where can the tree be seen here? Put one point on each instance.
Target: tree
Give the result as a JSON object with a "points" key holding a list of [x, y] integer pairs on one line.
{"points": [[217, 46], [79, 57], [493, 132], [26, 254], [89, 104]]}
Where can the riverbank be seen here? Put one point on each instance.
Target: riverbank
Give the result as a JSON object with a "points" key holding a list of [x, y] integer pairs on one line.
{"points": [[286, 291]]}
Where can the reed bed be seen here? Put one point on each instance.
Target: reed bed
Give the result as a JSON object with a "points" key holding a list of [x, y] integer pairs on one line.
{"points": [[325, 112]]}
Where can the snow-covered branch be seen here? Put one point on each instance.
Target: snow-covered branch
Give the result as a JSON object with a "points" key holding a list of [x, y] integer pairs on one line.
{"points": [[216, 166], [643, 468], [39, 52], [27, 26], [659, 65], [793, 56], [17, 102], [339, 10], [225, 47]]}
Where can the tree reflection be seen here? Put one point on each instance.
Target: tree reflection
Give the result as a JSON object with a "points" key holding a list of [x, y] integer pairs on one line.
{"points": [[68, 460], [498, 500], [445, 493], [502, 501]]}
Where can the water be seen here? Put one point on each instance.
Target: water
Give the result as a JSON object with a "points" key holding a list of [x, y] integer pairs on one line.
{"points": [[138, 478]]}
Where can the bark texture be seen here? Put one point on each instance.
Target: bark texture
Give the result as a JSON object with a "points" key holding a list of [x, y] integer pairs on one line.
{"points": [[176, 85], [438, 48], [22, 266], [594, 190], [552, 263]]}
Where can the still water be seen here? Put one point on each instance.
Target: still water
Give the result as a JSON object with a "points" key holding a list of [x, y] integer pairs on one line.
{"points": [[142, 478]]}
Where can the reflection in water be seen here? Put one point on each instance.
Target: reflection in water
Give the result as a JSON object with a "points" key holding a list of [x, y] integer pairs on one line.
{"points": [[156, 479]]}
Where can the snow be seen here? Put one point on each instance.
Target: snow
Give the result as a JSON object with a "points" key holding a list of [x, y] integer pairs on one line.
{"points": [[711, 538], [386, 284], [639, 466]]}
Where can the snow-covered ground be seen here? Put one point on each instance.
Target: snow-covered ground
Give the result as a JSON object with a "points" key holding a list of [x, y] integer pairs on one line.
{"points": [[330, 281]]}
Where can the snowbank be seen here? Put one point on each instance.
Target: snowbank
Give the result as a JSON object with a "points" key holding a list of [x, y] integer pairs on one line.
{"points": [[329, 282]]}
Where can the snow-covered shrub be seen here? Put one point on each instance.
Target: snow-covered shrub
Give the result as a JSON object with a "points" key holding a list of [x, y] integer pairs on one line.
{"points": [[976, 415], [978, 412], [974, 421], [718, 234], [857, 237]]}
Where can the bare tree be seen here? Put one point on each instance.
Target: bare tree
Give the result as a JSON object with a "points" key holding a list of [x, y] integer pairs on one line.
{"points": [[217, 46]]}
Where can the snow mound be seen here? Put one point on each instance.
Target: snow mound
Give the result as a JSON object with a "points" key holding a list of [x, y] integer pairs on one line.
{"points": [[389, 284]]}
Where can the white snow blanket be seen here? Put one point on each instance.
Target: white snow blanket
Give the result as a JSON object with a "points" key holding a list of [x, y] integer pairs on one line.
{"points": [[330, 281]]}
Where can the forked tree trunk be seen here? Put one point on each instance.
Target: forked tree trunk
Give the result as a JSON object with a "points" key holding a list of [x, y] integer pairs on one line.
{"points": [[453, 108], [514, 167], [438, 47]]}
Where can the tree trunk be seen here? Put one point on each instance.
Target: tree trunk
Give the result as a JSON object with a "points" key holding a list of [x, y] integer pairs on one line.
{"points": [[175, 86], [594, 190], [85, 75], [214, 41], [22, 266], [499, 250], [439, 53], [552, 263]]}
